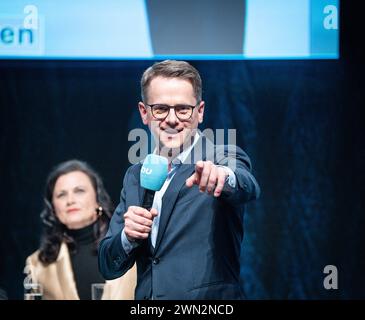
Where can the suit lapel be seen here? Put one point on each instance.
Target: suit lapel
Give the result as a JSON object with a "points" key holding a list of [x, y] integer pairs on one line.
{"points": [[178, 181], [65, 274], [170, 196], [137, 194]]}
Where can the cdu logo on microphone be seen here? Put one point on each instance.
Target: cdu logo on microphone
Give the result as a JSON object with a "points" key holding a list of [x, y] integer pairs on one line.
{"points": [[154, 172]]}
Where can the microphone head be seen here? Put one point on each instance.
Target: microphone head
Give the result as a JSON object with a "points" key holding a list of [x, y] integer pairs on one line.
{"points": [[154, 172]]}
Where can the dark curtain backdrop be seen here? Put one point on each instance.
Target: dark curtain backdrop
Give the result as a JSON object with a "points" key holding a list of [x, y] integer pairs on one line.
{"points": [[300, 122]]}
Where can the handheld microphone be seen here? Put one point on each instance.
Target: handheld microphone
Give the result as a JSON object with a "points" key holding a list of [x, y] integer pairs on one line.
{"points": [[153, 174]]}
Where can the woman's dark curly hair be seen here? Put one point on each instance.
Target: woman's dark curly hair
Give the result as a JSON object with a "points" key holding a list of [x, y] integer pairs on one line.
{"points": [[55, 232]]}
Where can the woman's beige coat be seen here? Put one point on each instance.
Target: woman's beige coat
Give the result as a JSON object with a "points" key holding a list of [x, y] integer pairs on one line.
{"points": [[58, 280]]}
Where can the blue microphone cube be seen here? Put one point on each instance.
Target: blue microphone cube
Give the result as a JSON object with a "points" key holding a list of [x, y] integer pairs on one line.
{"points": [[154, 172]]}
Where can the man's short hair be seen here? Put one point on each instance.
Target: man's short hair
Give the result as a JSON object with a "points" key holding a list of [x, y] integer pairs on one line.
{"points": [[172, 69]]}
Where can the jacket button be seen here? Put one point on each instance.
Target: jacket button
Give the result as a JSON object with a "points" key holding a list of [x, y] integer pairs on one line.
{"points": [[155, 260]]}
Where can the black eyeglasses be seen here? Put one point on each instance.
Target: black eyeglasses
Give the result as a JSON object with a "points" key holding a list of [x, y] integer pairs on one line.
{"points": [[182, 111]]}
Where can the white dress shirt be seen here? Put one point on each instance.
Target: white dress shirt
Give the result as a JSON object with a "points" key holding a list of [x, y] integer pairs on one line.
{"points": [[157, 200]]}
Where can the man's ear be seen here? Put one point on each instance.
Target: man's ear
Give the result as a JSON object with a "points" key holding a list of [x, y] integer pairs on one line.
{"points": [[201, 111], [143, 112]]}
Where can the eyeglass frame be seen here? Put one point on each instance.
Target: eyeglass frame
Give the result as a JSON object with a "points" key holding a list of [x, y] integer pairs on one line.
{"points": [[172, 107]]}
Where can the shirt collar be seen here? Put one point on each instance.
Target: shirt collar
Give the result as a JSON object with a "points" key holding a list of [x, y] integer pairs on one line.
{"points": [[181, 157], [184, 154]]}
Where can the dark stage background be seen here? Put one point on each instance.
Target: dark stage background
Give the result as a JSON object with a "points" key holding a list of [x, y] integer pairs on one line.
{"points": [[300, 121]]}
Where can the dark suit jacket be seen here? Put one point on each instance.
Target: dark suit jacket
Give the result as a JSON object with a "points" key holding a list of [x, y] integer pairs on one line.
{"points": [[198, 246]]}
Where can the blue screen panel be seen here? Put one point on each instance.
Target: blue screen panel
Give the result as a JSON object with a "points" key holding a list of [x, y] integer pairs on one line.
{"points": [[152, 29]]}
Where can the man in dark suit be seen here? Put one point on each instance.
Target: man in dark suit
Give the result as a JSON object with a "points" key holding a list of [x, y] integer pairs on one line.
{"points": [[188, 245]]}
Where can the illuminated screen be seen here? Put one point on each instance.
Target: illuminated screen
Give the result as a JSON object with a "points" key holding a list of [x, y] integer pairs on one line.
{"points": [[154, 29]]}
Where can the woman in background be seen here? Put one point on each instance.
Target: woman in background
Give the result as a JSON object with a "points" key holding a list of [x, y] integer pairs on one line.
{"points": [[76, 215]]}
